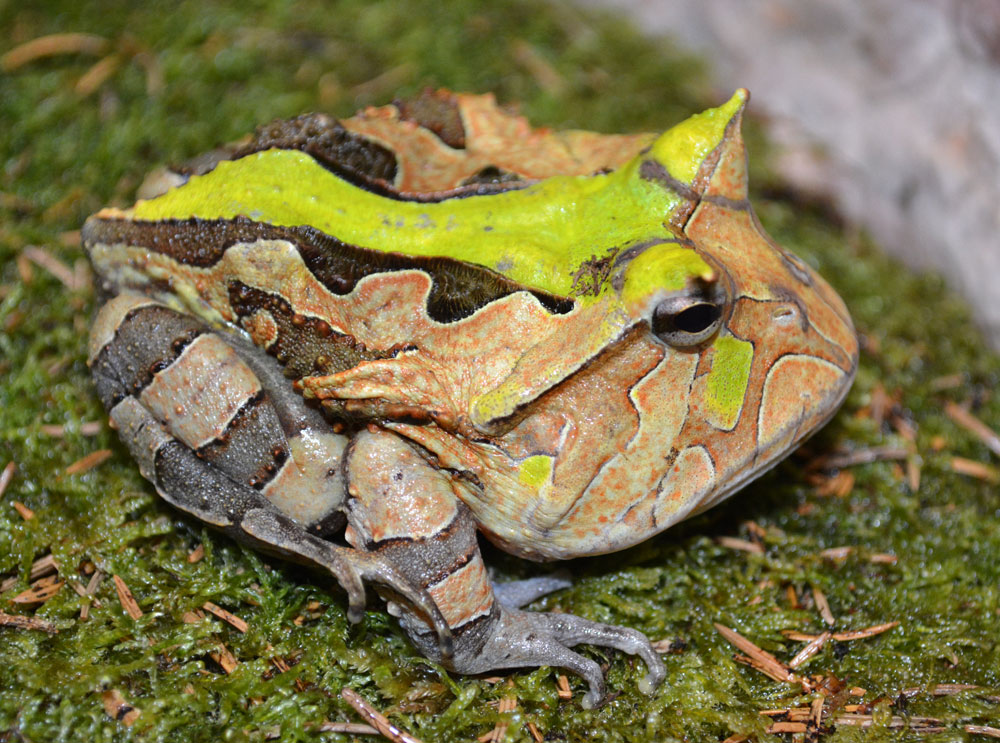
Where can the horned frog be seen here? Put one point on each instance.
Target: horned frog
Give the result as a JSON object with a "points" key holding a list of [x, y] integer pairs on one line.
{"points": [[358, 343]]}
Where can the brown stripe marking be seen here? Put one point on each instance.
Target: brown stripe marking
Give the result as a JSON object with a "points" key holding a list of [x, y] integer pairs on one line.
{"points": [[253, 438], [356, 159], [302, 344], [365, 162], [458, 288]]}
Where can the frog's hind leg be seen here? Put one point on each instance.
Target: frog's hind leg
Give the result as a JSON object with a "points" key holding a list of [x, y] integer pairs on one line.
{"points": [[404, 508], [216, 428]]}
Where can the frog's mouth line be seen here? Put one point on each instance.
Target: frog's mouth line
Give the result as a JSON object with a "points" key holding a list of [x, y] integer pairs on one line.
{"points": [[752, 472]]}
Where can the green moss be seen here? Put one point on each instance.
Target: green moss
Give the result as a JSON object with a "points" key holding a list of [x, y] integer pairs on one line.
{"points": [[206, 72]]}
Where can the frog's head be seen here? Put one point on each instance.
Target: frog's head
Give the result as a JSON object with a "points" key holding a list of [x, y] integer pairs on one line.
{"points": [[766, 346]]}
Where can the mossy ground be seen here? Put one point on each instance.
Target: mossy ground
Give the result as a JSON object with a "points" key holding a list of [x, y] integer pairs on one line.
{"points": [[175, 82]]}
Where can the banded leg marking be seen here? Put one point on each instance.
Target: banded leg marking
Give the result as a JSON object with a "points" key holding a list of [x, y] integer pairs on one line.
{"points": [[403, 508], [227, 459], [221, 398]]}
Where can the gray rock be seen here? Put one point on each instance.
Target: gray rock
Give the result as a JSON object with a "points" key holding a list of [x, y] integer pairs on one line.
{"points": [[892, 109]]}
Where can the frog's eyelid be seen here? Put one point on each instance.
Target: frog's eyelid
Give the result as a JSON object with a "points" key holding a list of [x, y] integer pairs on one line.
{"points": [[626, 255]]}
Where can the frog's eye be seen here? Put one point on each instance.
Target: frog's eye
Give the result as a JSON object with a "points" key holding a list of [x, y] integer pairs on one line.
{"points": [[687, 320]]}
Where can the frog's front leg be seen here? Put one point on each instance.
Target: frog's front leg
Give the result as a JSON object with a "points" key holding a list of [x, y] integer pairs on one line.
{"points": [[217, 429], [402, 507]]}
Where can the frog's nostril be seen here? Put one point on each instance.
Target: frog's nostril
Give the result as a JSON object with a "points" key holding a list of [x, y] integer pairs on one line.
{"points": [[783, 313]]}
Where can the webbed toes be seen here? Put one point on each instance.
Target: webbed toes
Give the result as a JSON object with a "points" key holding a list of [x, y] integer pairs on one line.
{"points": [[523, 638]]}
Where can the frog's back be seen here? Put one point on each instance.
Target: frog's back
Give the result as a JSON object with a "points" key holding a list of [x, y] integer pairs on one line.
{"points": [[398, 256]]}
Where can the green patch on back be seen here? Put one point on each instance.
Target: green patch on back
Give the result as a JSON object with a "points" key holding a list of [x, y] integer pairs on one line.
{"points": [[538, 236], [727, 381]]}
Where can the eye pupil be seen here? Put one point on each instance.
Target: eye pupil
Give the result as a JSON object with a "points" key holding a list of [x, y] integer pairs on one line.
{"points": [[696, 318], [685, 322]]}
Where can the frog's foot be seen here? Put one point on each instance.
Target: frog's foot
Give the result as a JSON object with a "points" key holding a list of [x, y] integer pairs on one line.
{"points": [[517, 593], [526, 638]]}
